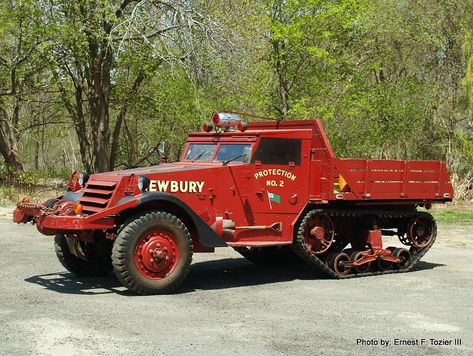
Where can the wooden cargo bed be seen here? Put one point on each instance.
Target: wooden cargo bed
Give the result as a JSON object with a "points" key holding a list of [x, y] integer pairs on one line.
{"points": [[392, 179]]}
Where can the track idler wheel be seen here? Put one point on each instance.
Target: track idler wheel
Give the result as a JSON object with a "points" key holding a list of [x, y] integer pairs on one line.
{"points": [[335, 262], [404, 257], [421, 230], [355, 256]]}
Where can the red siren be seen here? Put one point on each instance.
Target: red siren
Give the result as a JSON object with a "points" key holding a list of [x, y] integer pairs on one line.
{"points": [[207, 127]]}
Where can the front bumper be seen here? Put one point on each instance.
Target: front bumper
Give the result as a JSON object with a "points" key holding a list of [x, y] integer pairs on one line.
{"points": [[25, 212], [48, 223]]}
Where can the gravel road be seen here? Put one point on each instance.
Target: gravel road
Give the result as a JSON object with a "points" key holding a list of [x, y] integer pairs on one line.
{"points": [[229, 306]]}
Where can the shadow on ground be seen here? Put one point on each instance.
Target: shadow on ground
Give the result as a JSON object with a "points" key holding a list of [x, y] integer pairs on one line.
{"points": [[207, 275], [71, 284]]}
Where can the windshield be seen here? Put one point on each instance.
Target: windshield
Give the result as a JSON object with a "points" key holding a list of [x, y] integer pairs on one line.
{"points": [[236, 153], [200, 152]]}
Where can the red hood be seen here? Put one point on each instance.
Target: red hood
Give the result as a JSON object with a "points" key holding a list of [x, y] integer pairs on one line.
{"points": [[163, 168]]}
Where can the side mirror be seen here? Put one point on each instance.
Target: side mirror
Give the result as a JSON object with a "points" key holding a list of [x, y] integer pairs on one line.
{"points": [[162, 148], [162, 152]]}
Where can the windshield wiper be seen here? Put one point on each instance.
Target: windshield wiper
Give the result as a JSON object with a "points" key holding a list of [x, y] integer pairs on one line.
{"points": [[200, 155], [234, 158]]}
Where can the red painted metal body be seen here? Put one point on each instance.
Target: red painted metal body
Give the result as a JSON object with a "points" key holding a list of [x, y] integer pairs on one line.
{"points": [[248, 204]]}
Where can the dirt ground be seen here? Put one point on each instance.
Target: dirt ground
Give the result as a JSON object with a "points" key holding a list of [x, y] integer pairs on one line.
{"points": [[229, 306]]}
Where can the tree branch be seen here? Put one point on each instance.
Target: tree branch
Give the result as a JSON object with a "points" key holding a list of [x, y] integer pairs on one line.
{"points": [[146, 37]]}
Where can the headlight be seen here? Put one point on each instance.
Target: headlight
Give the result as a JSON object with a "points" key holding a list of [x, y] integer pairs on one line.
{"points": [[83, 178], [143, 183]]}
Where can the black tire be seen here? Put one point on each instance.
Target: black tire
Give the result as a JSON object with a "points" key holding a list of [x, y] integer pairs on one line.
{"points": [[404, 257], [94, 260], [131, 266], [384, 265], [335, 260], [272, 256]]}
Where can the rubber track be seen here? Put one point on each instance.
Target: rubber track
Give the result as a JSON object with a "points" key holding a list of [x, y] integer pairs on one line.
{"points": [[320, 265]]}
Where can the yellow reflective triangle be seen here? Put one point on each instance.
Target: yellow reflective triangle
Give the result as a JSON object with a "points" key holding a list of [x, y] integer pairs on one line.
{"points": [[342, 183]]}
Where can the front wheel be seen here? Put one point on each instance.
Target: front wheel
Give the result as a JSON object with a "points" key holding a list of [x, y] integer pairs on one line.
{"points": [[83, 259], [152, 253]]}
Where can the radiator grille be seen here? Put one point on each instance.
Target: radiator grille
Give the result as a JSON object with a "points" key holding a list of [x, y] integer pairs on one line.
{"points": [[96, 196]]}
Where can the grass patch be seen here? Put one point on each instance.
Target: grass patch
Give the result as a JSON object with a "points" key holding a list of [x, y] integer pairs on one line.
{"points": [[452, 216]]}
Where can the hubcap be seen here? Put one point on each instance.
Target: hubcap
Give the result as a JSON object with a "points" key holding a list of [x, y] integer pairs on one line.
{"points": [[156, 254]]}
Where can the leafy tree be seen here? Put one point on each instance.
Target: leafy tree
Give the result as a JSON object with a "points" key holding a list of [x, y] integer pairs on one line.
{"points": [[102, 53], [19, 68]]}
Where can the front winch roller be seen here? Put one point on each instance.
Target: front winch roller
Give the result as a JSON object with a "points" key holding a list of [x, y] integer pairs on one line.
{"points": [[418, 229]]}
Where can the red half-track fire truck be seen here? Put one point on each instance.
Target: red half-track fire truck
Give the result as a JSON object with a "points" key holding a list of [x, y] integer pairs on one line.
{"points": [[271, 190]]}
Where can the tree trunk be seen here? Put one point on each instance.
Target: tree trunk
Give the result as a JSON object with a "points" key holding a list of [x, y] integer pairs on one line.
{"points": [[8, 142], [99, 104], [121, 117], [76, 111]]}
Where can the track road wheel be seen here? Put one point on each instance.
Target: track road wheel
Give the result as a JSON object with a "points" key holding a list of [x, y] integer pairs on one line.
{"points": [[404, 256], [384, 265], [355, 256], [84, 259], [152, 253], [335, 262]]}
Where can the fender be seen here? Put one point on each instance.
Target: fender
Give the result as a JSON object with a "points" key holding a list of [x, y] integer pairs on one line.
{"points": [[207, 236]]}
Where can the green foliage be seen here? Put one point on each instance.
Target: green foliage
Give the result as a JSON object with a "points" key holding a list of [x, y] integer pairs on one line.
{"points": [[5, 170], [389, 78], [463, 144], [50, 170], [28, 178]]}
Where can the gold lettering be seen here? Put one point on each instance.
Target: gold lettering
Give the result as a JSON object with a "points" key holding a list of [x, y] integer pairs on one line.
{"points": [[162, 185], [152, 186], [174, 186], [183, 184], [200, 185]]}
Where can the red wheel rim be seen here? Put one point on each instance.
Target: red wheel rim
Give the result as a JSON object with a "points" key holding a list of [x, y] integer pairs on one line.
{"points": [[421, 231], [336, 263], [156, 254], [318, 233]]}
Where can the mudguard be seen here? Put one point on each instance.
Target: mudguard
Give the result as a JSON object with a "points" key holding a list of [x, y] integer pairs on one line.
{"points": [[207, 236]]}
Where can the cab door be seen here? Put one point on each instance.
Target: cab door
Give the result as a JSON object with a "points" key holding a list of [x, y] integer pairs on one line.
{"points": [[273, 189], [279, 176]]}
